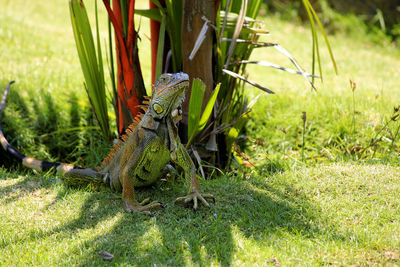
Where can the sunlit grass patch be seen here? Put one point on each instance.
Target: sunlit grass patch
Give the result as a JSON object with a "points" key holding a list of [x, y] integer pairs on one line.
{"points": [[330, 209]]}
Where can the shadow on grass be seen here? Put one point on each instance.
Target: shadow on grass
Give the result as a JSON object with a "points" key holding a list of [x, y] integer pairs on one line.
{"points": [[38, 127], [26, 183], [253, 207]]}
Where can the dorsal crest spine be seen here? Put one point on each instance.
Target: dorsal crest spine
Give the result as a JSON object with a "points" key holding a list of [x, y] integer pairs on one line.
{"points": [[121, 141]]}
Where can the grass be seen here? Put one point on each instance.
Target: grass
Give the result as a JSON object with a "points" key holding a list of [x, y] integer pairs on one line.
{"points": [[328, 214], [330, 109], [333, 208]]}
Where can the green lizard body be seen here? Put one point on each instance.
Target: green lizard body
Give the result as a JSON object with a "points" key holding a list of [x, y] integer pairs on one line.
{"points": [[146, 149]]}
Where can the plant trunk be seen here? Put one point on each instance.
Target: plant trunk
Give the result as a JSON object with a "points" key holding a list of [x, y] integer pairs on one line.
{"points": [[201, 65]]}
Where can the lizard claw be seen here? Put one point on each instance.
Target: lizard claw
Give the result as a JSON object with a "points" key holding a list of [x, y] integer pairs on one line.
{"points": [[145, 201], [143, 207], [194, 196], [146, 212]]}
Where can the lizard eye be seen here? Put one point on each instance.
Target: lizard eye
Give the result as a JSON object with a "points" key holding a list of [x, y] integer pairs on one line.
{"points": [[163, 79], [158, 109]]}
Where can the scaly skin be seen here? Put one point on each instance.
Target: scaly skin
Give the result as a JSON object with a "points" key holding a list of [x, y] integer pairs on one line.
{"points": [[152, 145], [141, 159]]}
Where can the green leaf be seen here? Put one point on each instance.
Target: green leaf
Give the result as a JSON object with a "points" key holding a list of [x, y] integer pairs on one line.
{"points": [[153, 13], [160, 49], [315, 47], [157, 3], [208, 109], [91, 63], [124, 13], [174, 12], [196, 123], [234, 132], [111, 61], [99, 54], [254, 8], [238, 28], [325, 37], [310, 9], [195, 104]]}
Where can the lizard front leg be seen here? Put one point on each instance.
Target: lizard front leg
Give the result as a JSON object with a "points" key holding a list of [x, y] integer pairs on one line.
{"points": [[128, 196], [185, 162]]}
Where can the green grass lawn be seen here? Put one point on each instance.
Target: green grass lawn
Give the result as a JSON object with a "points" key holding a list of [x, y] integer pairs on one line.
{"points": [[337, 207]]}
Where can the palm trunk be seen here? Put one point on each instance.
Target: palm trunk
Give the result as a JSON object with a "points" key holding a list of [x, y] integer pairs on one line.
{"points": [[201, 65]]}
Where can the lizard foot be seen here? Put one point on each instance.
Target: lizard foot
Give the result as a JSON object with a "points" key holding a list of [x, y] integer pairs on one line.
{"points": [[194, 196], [143, 207]]}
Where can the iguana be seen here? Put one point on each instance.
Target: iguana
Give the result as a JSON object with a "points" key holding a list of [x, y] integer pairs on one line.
{"points": [[143, 153]]}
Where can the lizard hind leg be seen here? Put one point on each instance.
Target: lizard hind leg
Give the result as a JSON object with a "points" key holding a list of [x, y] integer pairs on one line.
{"points": [[130, 202], [143, 207]]}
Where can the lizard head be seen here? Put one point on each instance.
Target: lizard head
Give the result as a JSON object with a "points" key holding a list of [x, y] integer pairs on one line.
{"points": [[168, 95]]}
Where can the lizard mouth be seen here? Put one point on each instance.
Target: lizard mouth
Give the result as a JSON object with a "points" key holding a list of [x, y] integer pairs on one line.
{"points": [[176, 112]]}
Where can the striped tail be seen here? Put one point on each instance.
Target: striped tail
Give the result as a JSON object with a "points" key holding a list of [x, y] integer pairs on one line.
{"points": [[73, 175]]}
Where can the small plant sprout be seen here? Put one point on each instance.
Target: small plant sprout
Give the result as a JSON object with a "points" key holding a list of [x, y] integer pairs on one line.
{"points": [[304, 118], [353, 87], [374, 141], [395, 117]]}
